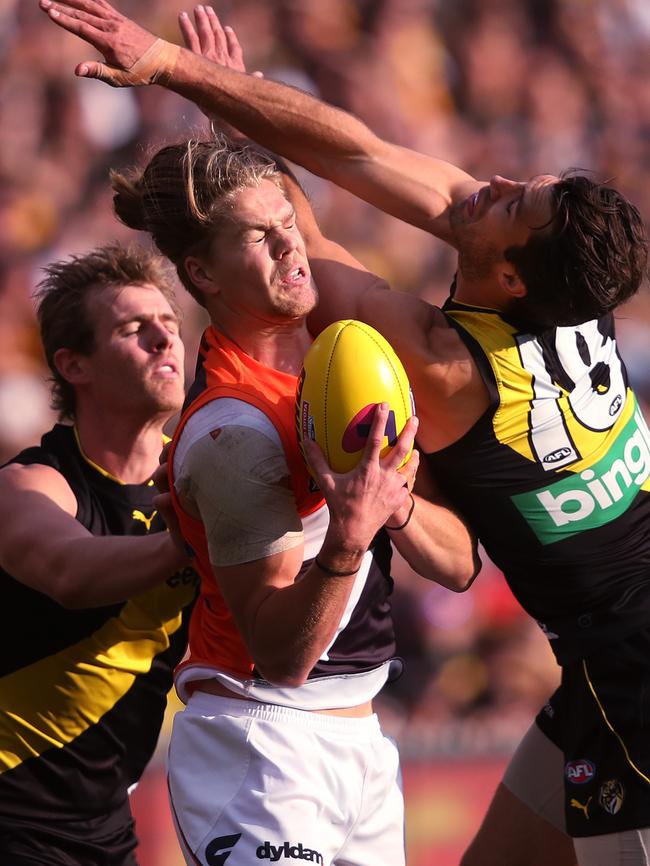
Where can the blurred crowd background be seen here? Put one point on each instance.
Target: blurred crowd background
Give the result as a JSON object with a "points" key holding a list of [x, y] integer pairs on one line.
{"points": [[510, 87]]}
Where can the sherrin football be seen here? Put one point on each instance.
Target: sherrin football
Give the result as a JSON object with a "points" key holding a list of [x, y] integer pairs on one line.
{"points": [[348, 369]]}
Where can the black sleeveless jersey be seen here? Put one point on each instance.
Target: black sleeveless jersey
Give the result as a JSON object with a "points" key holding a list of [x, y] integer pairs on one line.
{"points": [[554, 478], [83, 692]]}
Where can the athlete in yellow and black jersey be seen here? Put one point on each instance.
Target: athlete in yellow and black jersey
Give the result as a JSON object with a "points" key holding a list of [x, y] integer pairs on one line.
{"points": [[82, 692], [555, 477], [555, 480]]}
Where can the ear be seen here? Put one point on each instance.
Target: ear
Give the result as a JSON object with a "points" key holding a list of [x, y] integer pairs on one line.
{"points": [[200, 275], [71, 365], [511, 283]]}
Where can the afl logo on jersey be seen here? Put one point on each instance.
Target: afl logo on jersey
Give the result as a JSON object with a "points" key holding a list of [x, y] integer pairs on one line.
{"points": [[615, 405], [579, 772], [556, 456]]}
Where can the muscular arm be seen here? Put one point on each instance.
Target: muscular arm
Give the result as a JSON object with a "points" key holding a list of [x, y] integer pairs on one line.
{"points": [[412, 186], [436, 541], [43, 546], [449, 391], [326, 140], [287, 623]]}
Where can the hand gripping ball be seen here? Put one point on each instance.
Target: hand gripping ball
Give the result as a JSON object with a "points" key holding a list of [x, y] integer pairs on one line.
{"points": [[348, 370]]}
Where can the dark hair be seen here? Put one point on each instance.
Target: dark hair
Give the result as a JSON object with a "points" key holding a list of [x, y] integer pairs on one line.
{"points": [[592, 258], [184, 192], [62, 307]]}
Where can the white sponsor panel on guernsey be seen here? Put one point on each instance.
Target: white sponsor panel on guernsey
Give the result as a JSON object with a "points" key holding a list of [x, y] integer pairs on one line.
{"points": [[595, 496]]}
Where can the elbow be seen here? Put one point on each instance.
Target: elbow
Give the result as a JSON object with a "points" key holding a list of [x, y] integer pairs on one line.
{"points": [[466, 573], [460, 583], [459, 575]]}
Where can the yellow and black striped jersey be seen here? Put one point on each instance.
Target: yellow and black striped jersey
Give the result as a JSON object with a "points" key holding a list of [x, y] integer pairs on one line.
{"points": [[555, 476], [83, 692]]}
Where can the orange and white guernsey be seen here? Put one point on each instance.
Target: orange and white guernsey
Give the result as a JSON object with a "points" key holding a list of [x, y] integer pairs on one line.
{"points": [[360, 658]]}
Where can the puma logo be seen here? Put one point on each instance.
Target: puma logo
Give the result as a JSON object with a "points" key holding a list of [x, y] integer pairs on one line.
{"points": [[138, 515], [583, 808]]}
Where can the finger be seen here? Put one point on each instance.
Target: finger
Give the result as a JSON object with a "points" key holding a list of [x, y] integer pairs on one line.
{"points": [[410, 468], [316, 461], [258, 74], [161, 478], [162, 502], [95, 8], [204, 31], [234, 49], [99, 22], [376, 435], [219, 36], [109, 74], [188, 32], [217, 29], [76, 23], [403, 445]]}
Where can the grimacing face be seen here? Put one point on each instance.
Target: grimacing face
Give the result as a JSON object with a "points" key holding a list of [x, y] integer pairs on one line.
{"points": [[259, 262], [137, 365], [499, 215]]}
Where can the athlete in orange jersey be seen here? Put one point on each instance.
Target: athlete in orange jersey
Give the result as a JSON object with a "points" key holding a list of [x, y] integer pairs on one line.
{"points": [[278, 749]]}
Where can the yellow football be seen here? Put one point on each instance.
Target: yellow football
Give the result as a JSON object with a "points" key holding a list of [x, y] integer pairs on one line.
{"points": [[348, 369]]}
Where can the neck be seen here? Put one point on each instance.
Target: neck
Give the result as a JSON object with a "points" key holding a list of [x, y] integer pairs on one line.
{"points": [[125, 447], [279, 345], [478, 292]]}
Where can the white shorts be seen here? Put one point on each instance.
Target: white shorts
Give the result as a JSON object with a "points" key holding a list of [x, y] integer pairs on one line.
{"points": [[268, 783]]}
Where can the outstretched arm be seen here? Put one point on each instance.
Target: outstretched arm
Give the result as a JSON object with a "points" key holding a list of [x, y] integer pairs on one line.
{"points": [[433, 539], [327, 141], [348, 291], [43, 546]]}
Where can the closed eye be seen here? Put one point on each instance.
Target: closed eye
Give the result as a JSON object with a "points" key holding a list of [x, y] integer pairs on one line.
{"points": [[513, 204]]}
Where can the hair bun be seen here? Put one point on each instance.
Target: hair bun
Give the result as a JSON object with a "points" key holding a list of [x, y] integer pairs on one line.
{"points": [[128, 200]]}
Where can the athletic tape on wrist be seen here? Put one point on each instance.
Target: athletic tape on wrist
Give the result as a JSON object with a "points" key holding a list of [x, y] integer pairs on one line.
{"points": [[156, 66]]}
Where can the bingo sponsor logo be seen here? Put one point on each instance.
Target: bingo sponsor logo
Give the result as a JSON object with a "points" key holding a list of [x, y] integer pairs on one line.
{"points": [[596, 495], [579, 772]]}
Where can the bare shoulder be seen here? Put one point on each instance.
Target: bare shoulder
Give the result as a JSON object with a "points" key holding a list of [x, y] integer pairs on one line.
{"points": [[419, 331], [34, 483], [450, 395], [37, 511]]}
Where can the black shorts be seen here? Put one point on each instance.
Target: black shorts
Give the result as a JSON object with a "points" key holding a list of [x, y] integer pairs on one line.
{"points": [[107, 840], [600, 719]]}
